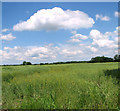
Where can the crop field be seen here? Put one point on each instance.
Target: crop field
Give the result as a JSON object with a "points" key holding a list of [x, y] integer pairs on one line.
{"points": [[62, 86]]}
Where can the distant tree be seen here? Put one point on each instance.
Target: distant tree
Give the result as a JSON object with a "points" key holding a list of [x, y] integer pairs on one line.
{"points": [[41, 63], [27, 63], [24, 62], [101, 59], [117, 58]]}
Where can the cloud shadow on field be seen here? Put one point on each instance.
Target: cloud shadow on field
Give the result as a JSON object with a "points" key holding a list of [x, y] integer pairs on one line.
{"points": [[114, 73]]}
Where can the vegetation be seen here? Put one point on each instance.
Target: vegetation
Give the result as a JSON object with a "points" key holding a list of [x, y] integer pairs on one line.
{"points": [[101, 59], [93, 60], [62, 86], [27, 63], [117, 58]]}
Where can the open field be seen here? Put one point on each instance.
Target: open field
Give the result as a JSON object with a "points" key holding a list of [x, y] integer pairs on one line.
{"points": [[63, 86]]}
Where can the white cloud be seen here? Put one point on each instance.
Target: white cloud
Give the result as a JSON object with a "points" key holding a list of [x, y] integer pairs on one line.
{"points": [[101, 17], [38, 54], [54, 19], [74, 40], [77, 37], [93, 49], [37, 51], [117, 39], [117, 14], [5, 30], [74, 32], [7, 37], [70, 52], [101, 44], [102, 40], [7, 48], [80, 36]]}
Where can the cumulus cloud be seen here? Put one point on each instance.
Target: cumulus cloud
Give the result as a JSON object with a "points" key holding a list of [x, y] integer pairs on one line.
{"points": [[7, 37], [28, 53], [5, 30], [54, 19], [77, 37], [47, 53], [100, 44], [80, 36], [74, 40], [101, 17], [102, 40], [117, 14], [93, 49], [70, 52]]}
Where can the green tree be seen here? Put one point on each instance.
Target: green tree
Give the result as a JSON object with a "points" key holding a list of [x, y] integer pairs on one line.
{"points": [[101, 59], [27, 63], [24, 62], [117, 58]]}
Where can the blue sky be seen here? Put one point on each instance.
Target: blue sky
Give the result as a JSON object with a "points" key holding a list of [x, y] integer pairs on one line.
{"points": [[39, 42]]}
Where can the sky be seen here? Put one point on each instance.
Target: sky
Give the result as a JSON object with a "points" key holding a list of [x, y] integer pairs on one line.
{"points": [[58, 31]]}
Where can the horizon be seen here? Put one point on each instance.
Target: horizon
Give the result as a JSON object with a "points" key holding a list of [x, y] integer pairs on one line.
{"points": [[45, 63], [56, 32]]}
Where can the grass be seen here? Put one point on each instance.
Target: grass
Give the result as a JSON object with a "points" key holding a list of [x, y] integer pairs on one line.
{"points": [[65, 86]]}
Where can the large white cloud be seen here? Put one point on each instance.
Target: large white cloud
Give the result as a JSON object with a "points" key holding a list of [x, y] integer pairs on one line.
{"points": [[39, 54], [103, 40], [7, 37], [55, 18], [108, 39], [101, 17], [35, 54]]}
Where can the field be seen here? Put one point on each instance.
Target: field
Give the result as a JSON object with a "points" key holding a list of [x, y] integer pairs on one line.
{"points": [[62, 86]]}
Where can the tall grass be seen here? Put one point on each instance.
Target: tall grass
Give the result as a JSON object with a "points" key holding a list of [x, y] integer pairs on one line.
{"points": [[65, 86]]}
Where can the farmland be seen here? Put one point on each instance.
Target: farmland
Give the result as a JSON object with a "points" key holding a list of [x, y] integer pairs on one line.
{"points": [[62, 86]]}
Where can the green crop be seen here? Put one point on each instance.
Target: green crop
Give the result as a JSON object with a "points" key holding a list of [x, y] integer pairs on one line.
{"points": [[62, 86]]}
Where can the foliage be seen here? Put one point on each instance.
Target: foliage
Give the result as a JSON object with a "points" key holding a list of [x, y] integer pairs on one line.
{"points": [[117, 58], [27, 63], [62, 86], [101, 59]]}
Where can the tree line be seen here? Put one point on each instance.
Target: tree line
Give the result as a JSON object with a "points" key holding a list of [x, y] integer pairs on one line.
{"points": [[93, 60]]}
